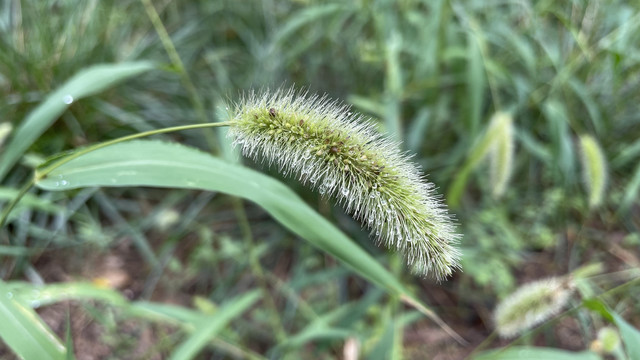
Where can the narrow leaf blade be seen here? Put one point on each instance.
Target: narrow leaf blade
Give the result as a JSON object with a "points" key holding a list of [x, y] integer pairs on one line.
{"points": [[87, 82], [24, 332], [170, 165], [212, 324], [160, 164]]}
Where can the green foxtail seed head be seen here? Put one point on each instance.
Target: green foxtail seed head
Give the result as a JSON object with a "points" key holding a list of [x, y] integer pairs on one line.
{"points": [[501, 152], [339, 153], [5, 130], [607, 342], [594, 169], [531, 305]]}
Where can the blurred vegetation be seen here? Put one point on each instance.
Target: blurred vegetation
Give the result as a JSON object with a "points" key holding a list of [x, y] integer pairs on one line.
{"points": [[431, 73]]}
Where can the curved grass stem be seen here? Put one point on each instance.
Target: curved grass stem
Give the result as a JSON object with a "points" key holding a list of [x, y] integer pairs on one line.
{"points": [[176, 61], [40, 173]]}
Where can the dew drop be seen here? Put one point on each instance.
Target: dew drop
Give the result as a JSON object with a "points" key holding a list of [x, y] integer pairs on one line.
{"points": [[328, 184], [306, 154], [35, 304], [64, 182], [67, 99], [9, 295], [377, 232], [374, 194], [345, 191], [323, 189]]}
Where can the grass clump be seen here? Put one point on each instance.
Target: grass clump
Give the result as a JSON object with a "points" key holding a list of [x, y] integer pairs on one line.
{"points": [[531, 305]]}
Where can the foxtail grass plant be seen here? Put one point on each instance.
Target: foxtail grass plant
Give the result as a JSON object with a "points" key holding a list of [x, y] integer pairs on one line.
{"points": [[496, 145], [594, 168], [339, 153], [329, 148], [532, 304], [501, 152]]}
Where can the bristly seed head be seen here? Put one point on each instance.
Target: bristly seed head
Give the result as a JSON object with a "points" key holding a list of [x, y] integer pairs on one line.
{"points": [[321, 142], [532, 304]]}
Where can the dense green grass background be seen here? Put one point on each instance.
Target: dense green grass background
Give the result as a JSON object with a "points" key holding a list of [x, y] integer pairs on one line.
{"points": [[155, 268]]}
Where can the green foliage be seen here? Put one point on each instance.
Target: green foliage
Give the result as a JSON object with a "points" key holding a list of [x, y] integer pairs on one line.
{"points": [[431, 74], [89, 82], [25, 332], [528, 353], [166, 165]]}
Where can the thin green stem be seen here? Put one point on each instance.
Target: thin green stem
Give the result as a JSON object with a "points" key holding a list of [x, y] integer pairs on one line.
{"points": [[176, 61], [7, 209], [257, 270], [40, 173]]}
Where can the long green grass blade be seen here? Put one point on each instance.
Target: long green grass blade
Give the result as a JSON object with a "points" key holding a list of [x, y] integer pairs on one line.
{"points": [[476, 81], [492, 136], [532, 353], [161, 164], [630, 335], [169, 165], [211, 325], [28, 201], [631, 191], [36, 296], [24, 332], [203, 327], [563, 154], [16, 250], [87, 82]]}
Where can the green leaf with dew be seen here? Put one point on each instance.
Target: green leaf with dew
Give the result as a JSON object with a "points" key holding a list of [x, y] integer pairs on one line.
{"points": [[87, 82]]}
